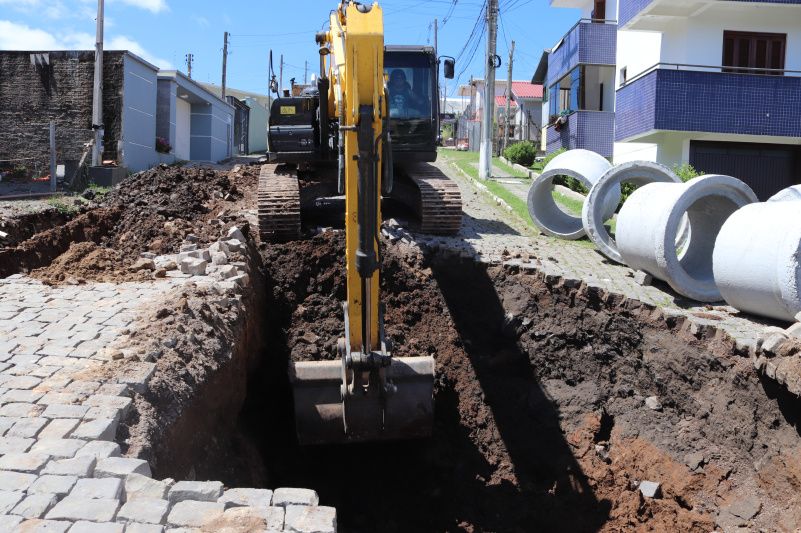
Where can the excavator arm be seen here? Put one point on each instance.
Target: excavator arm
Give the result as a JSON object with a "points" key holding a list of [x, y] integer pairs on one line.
{"points": [[367, 394]]}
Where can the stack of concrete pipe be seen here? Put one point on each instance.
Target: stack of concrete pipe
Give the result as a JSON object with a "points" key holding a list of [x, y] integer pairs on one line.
{"points": [[649, 225], [583, 165], [757, 257], [603, 182], [709, 238]]}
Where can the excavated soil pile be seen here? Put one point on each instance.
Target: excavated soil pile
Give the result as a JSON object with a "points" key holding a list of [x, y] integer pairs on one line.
{"points": [[151, 211], [541, 414]]}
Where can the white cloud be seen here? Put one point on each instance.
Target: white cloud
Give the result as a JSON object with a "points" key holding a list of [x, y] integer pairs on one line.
{"points": [[154, 6], [58, 9], [125, 43], [203, 22], [21, 37], [15, 36]]}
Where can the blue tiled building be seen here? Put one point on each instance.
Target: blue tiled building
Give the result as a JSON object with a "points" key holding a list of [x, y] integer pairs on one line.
{"points": [[579, 77], [716, 84]]}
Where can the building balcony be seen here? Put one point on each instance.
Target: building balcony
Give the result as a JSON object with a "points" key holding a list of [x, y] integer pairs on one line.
{"points": [[588, 42], [655, 14], [693, 98], [591, 130]]}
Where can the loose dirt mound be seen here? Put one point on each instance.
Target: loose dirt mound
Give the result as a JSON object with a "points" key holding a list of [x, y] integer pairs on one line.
{"points": [[541, 422], [150, 211], [88, 261], [162, 205]]}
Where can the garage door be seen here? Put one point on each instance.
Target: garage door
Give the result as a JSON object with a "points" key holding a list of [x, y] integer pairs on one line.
{"points": [[766, 168]]}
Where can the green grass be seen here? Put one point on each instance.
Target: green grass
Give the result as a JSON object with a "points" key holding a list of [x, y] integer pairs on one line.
{"points": [[509, 169], [99, 190], [58, 202], [466, 162]]}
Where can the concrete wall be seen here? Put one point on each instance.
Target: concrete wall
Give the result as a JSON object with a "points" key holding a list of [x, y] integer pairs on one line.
{"points": [[222, 131], [183, 122], [57, 86], [200, 127], [138, 141], [257, 128]]}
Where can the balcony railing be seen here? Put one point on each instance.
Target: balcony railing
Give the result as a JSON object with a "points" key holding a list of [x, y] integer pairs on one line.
{"points": [[589, 41], [714, 99]]}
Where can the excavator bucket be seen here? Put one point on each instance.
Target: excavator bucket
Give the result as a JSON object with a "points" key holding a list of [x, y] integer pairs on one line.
{"points": [[321, 416]]}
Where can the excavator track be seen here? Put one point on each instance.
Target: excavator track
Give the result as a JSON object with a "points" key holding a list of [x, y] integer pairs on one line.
{"points": [[279, 204], [440, 203]]}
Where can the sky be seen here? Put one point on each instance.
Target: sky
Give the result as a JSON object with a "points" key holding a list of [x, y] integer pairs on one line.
{"points": [[164, 31]]}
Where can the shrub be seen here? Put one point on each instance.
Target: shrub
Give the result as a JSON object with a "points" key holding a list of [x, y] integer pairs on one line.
{"points": [[571, 183], [686, 172], [522, 153], [548, 158]]}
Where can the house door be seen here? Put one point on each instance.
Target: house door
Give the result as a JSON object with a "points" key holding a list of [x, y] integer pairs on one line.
{"points": [[599, 11], [766, 168]]}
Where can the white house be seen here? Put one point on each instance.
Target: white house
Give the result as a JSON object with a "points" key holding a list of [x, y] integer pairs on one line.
{"points": [[713, 83]]}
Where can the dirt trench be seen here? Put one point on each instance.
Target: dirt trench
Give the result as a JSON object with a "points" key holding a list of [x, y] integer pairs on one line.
{"points": [[541, 421]]}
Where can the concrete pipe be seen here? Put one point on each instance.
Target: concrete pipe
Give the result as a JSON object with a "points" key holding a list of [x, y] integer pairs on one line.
{"points": [[649, 224], [756, 260], [790, 194], [593, 215], [582, 165]]}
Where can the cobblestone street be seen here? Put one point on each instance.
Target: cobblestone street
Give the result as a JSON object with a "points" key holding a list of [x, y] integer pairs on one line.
{"points": [[60, 467]]}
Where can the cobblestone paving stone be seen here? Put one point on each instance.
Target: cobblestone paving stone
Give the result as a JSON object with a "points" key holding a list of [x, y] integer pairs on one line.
{"points": [[492, 234], [60, 469]]}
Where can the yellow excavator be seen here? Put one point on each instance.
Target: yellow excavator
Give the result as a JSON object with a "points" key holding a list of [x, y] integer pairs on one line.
{"points": [[367, 394]]}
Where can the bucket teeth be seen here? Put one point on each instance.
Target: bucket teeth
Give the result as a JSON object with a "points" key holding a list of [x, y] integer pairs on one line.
{"points": [[321, 415]]}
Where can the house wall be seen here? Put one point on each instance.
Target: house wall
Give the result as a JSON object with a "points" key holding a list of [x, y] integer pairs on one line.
{"points": [[698, 40], [257, 127], [222, 131], [138, 140], [200, 127], [636, 52], [32, 95]]}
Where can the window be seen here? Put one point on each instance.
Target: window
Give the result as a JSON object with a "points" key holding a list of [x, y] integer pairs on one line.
{"points": [[599, 12], [750, 50]]}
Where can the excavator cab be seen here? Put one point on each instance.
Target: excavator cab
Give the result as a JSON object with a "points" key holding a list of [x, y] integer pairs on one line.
{"points": [[413, 102]]}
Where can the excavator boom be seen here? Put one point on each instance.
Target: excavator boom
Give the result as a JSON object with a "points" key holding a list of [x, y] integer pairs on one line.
{"points": [[367, 394]]}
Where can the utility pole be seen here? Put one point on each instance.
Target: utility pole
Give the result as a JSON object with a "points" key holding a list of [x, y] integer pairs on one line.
{"points": [[225, 62], [97, 92], [305, 72], [190, 57], [281, 76], [508, 96], [491, 63]]}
